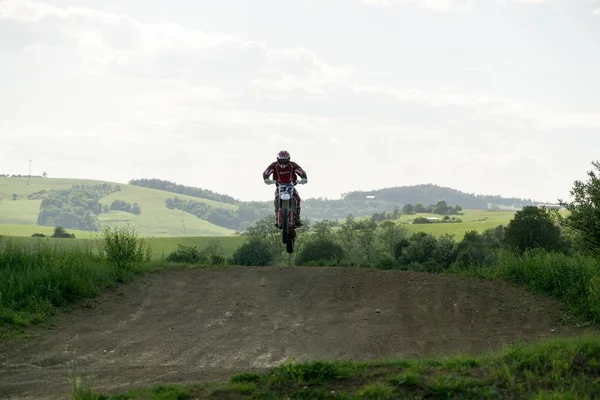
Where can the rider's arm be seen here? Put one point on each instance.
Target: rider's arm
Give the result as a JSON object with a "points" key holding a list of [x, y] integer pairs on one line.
{"points": [[267, 174], [300, 172]]}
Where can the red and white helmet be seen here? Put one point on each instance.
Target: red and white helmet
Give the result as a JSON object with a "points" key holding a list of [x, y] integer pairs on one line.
{"points": [[283, 157]]}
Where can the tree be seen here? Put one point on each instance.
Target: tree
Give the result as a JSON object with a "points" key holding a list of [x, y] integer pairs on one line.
{"points": [[408, 209], [584, 209], [441, 208], [531, 228], [14, 197], [60, 232], [391, 235], [135, 209]]}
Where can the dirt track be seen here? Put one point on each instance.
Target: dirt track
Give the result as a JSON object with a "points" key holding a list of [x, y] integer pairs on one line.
{"points": [[197, 325]]}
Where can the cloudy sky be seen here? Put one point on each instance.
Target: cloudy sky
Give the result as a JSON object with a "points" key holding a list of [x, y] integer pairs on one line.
{"points": [[486, 96]]}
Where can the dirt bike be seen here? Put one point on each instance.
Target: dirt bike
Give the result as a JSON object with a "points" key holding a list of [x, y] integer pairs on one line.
{"points": [[286, 217]]}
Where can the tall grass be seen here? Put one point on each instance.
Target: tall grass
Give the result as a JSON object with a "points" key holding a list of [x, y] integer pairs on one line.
{"points": [[38, 278], [573, 279]]}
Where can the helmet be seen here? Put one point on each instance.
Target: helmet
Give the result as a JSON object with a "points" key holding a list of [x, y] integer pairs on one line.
{"points": [[283, 157]]}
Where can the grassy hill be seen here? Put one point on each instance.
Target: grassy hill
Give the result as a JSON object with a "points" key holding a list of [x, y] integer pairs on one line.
{"points": [[431, 194], [155, 220], [473, 220]]}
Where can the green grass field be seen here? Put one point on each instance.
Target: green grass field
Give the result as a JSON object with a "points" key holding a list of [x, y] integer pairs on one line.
{"points": [[161, 246], [28, 230], [478, 220], [156, 219]]}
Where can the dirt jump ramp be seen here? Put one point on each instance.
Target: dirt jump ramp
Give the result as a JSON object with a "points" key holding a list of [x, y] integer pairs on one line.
{"points": [[205, 324]]}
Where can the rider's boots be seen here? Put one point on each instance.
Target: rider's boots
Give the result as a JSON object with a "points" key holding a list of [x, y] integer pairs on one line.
{"points": [[297, 219], [277, 220]]}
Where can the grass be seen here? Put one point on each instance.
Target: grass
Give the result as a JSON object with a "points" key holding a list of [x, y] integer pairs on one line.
{"points": [[28, 230], [156, 219], [575, 280], [36, 279], [160, 246], [38, 276], [559, 368], [478, 220]]}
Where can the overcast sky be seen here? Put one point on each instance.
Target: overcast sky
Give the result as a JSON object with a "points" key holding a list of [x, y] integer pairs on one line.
{"points": [[485, 96]]}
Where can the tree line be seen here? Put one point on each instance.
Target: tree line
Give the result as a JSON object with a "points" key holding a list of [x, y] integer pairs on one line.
{"points": [[75, 208]]}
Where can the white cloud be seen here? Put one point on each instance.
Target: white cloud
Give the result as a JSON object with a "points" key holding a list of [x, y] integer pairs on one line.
{"points": [[597, 11], [529, 1], [163, 91], [377, 2], [446, 5]]}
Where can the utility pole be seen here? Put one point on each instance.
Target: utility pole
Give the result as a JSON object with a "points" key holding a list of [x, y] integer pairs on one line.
{"points": [[29, 177]]}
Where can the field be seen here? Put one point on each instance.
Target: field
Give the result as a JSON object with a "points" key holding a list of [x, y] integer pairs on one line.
{"points": [[28, 230], [161, 246], [156, 219], [478, 220]]}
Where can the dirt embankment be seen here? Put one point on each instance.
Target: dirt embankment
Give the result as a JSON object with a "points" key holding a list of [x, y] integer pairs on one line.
{"points": [[196, 325]]}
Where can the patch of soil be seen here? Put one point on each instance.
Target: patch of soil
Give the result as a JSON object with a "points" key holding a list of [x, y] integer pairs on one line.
{"points": [[206, 324]]}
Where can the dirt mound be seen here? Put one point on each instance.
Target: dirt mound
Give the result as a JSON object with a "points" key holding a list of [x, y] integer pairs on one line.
{"points": [[196, 325]]}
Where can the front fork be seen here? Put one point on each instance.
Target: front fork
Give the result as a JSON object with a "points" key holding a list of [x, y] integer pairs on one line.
{"points": [[291, 212]]}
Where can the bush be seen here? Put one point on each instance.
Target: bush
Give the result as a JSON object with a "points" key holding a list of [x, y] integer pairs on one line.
{"points": [[123, 248], [254, 252], [60, 232], [476, 250], [185, 254], [136, 209], [421, 220], [321, 250], [120, 205]]}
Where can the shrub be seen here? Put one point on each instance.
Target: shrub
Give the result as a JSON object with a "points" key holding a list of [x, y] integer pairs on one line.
{"points": [[321, 250], [123, 248], [421, 220], [185, 254], [60, 232], [136, 209], [254, 252]]}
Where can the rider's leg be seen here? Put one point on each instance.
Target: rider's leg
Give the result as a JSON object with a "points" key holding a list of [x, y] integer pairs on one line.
{"points": [[298, 199], [276, 204]]}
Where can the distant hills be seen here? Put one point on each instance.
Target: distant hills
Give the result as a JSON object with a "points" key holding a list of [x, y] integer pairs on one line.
{"points": [[431, 194], [163, 208], [358, 203]]}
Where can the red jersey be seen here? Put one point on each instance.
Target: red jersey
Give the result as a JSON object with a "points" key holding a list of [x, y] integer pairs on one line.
{"points": [[284, 173]]}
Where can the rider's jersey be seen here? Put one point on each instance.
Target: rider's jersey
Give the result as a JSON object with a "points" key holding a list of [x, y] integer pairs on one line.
{"points": [[284, 173]]}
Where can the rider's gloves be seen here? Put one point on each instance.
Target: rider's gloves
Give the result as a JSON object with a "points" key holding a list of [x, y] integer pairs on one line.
{"points": [[303, 181], [269, 181]]}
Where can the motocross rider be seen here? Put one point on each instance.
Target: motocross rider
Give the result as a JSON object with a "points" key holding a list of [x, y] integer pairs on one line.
{"points": [[285, 171]]}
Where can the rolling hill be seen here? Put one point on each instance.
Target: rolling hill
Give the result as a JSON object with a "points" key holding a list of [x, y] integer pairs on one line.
{"points": [[431, 194], [155, 220], [172, 210]]}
